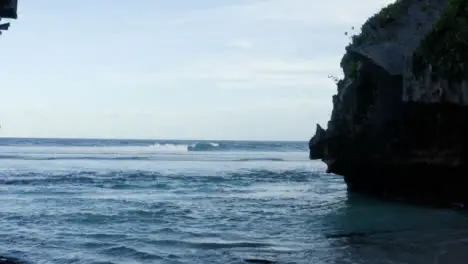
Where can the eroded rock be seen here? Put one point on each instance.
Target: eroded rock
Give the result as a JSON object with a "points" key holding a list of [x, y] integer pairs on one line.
{"points": [[399, 125]]}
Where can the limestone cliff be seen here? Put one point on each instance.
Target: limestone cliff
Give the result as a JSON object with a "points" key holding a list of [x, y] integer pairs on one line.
{"points": [[399, 125]]}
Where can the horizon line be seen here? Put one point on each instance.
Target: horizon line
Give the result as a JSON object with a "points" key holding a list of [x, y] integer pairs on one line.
{"points": [[149, 139]]}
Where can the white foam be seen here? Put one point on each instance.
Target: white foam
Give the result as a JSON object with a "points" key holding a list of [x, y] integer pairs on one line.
{"points": [[169, 147], [155, 148]]}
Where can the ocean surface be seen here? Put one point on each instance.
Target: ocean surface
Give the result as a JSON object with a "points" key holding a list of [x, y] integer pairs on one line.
{"points": [[127, 201]]}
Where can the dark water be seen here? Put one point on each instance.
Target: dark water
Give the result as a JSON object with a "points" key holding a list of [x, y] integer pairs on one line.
{"points": [[107, 201]]}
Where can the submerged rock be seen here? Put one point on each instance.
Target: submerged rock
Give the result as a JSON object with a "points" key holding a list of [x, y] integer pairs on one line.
{"points": [[399, 126], [5, 260]]}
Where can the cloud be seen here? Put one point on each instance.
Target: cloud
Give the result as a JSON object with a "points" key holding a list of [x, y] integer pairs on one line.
{"points": [[304, 12], [268, 118], [247, 73], [324, 13], [251, 45], [189, 69], [241, 44]]}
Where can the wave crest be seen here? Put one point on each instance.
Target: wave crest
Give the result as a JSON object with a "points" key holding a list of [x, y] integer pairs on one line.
{"points": [[199, 146], [169, 147], [205, 146]]}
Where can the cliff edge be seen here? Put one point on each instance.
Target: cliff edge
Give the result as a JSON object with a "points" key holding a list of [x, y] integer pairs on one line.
{"points": [[399, 126]]}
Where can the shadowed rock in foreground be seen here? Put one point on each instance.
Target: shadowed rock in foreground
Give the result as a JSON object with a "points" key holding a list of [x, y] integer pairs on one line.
{"points": [[259, 261], [5, 260], [399, 126]]}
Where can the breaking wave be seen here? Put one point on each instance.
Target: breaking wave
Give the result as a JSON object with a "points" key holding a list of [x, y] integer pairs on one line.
{"points": [[201, 146], [222, 146], [169, 147], [242, 151], [99, 146], [211, 146], [205, 146]]}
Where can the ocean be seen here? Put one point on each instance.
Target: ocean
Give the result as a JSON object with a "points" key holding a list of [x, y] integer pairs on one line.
{"points": [[149, 201]]}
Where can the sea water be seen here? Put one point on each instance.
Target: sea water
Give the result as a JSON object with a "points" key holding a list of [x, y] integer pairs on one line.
{"points": [[147, 201]]}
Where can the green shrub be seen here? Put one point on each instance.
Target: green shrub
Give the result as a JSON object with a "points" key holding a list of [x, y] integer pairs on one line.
{"points": [[384, 18], [446, 45], [353, 70], [390, 13]]}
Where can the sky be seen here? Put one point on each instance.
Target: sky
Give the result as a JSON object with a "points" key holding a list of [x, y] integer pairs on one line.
{"points": [[179, 69]]}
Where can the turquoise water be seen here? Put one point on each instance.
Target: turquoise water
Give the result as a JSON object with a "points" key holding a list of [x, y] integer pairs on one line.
{"points": [[110, 201]]}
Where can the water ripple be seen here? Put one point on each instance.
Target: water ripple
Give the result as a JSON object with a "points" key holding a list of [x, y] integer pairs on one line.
{"points": [[287, 215]]}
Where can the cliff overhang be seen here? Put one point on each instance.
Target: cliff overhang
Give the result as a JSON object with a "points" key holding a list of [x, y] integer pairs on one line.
{"points": [[399, 126]]}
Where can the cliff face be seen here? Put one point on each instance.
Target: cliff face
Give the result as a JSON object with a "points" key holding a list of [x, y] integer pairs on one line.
{"points": [[399, 125]]}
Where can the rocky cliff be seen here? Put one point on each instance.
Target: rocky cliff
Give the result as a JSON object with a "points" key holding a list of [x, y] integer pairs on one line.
{"points": [[399, 126]]}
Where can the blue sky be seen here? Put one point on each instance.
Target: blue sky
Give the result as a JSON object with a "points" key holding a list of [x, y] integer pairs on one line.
{"points": [[179, 69]]}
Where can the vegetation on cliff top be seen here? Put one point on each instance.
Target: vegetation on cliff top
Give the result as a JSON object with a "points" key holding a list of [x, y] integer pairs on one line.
{"points": [[389, 13], [445, 47], [382, 19]]}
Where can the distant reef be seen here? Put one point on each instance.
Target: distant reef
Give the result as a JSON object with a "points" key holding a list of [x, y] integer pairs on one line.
{"points": [[399, 126]]}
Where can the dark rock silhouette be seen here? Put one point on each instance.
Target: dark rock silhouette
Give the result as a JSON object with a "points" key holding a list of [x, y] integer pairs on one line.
{"points": [[5, 260], [399, 126], [8, 9], [259, 261]]}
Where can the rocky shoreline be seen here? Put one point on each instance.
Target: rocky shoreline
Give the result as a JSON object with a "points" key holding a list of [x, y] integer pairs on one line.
{"points": [[399, 126]]}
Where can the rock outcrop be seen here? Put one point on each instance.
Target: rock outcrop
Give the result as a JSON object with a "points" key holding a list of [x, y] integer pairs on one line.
{"points": [[399, 126], [8, 9]]}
